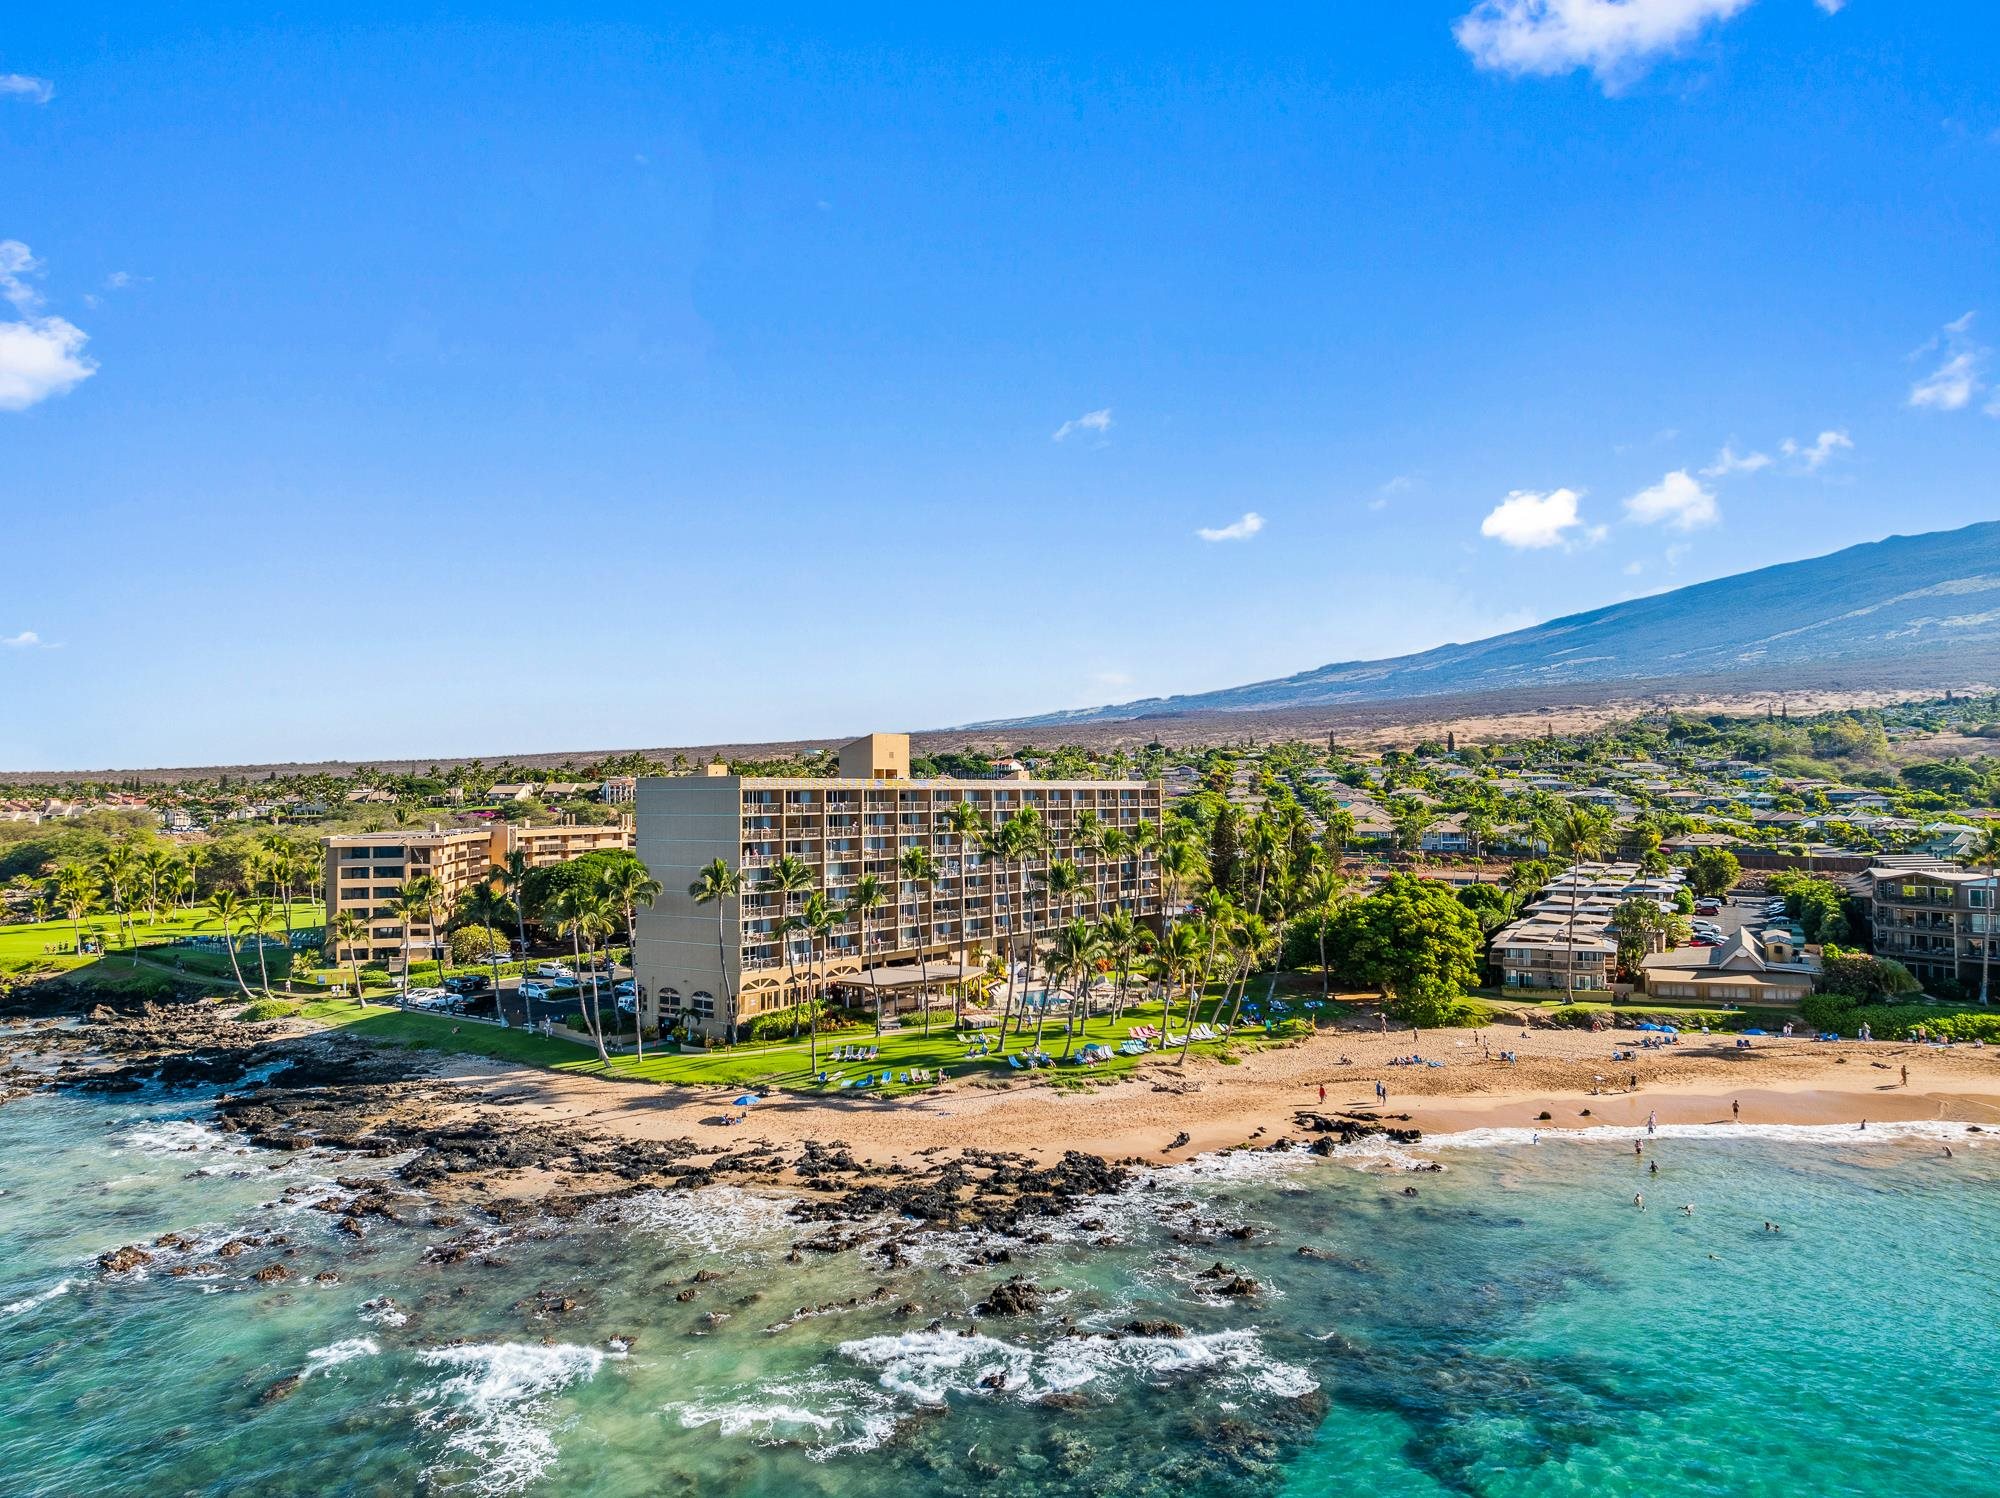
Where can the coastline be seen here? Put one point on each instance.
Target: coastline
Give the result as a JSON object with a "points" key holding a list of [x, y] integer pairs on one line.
{"points": [[1165, 1113]]}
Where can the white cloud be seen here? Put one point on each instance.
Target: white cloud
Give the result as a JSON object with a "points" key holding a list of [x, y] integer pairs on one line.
{"points": [[1236, 530], [1617, 40], [1090, 421], [21, 86], [1677, 500], [27, 639], [1950, 386], [1823, 447], [1532, 522], [1633, 569], [1831, 7], [40, 356], [1953, 384], [1727, 462]]}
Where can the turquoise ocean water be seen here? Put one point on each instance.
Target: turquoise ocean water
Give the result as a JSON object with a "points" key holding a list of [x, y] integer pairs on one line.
{"points": [[1516, 1327]]}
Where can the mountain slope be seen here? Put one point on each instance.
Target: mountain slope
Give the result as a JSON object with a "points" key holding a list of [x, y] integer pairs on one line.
{"points": [[1894, 603]]}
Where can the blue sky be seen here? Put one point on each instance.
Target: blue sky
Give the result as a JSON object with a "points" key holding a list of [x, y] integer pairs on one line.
{"points": [[377, 383]]}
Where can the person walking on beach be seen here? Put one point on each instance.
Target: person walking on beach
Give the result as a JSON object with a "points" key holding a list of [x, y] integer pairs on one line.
{"points": [[1906, 1076], [1322, 1092], [1652, 1120], [1381, 1093], [1736, 1110]]}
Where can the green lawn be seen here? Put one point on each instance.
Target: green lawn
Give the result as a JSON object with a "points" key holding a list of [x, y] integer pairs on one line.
{"points": [[25, 948], [784, 1066]]}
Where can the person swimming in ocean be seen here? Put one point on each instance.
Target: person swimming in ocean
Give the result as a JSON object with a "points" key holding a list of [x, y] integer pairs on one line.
{"points": [[1653, 1168], [1652, 1121], [1688, 1210], [1638, 1148], [1639, 1200]]}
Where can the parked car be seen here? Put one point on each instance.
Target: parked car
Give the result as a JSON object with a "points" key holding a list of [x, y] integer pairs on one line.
{"points": [[553, 970], [627, 989], [466, 986], [476, 1004], [1708, 907], [426, 998], [533, 991]]}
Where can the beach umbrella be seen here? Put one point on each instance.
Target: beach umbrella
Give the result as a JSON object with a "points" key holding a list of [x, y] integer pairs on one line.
{"points": [[747, 1099]]}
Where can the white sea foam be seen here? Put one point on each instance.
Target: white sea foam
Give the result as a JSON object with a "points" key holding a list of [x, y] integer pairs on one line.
{"points": [[494, 1408], [712, 1219], [178, 1136], [1881, 1132], [41, 1297], [383, 1313], [929, 1368], [823, 1417], [320, 1359]]}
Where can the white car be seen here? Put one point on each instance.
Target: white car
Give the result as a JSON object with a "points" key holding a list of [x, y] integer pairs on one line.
{"points": [[424, 998], [531, 990], [554, 970]]}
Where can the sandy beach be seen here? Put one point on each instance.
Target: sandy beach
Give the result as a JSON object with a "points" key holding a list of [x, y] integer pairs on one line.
{"points": [[1565, 1074]]}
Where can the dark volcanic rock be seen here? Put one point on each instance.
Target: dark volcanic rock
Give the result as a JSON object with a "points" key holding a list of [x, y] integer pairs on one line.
{"points": [[1014, 1297]]}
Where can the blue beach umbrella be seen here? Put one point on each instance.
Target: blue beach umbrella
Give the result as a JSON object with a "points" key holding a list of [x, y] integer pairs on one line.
{"points": [[747, 1099]]}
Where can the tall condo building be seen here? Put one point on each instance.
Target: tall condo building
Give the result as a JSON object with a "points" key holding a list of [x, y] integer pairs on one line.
{"points": [[692, 958]]}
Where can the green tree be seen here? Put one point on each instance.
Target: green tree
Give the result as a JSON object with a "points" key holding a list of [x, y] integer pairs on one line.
{"points": [[1415, 942], [867, 898], [484, 908], [786, 877], [1072, 962], [717, 885], [226, 907], [1713, 871], [818, 916], [916, 866], [347, 930], [627, 886], [511, 877]]}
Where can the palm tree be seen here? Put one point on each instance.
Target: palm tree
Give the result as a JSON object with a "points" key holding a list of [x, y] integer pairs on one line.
{"points": [[1579, 837], [1086, 836], [1986, 854], [512, 878], [76, 897], [1073, 958], [1114, 846], [817, 917], [964, 823], [1022, 837], [347, 929], [483, 905], [786, 877], [916, 866], [1321, 897], [258, 918], [1064, 884], [627, 886], [717, 885], [578, 909], [1122, 933], [1181, 961], [868, 896], [409, 907], [1252, 937], [281, 863], [193, 856], [155, 865], [226, 906], [119, 867]]}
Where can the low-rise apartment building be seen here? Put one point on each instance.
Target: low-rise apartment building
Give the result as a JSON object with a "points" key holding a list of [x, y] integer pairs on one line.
{"points": [[366, 870], [1563, 939], [1934, 919], [1747, 967], [846, 827]]}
